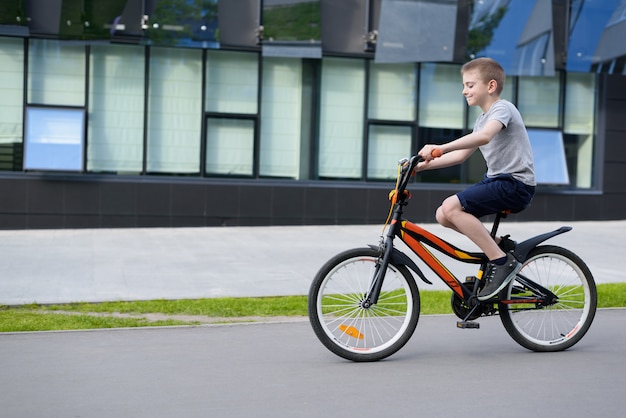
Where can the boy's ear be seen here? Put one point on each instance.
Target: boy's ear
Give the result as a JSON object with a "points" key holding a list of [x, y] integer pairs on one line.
{"points": [[492, 86]]}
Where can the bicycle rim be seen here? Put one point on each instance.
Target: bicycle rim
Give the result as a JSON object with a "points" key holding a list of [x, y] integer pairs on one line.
{"points": [[344, 325], [560, 325]]}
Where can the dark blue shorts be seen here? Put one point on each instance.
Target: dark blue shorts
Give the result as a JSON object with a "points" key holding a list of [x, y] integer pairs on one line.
{"points": [[493, 195]]}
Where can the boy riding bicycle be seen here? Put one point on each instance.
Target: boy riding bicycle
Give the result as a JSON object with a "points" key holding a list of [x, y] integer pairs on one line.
{"points": [[509, 183]]}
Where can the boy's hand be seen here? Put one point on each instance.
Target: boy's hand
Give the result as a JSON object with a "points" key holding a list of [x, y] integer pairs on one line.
{"points": [[430, 152]]}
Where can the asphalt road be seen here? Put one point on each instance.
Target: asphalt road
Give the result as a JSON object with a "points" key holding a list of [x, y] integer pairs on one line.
{"points": [[281, 370]]}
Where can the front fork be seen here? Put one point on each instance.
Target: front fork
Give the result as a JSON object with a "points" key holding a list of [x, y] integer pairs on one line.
{"points": [[371, 298]]}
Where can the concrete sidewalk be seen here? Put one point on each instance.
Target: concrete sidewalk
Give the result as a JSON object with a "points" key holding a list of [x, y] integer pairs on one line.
{"points": [[58, 266]]}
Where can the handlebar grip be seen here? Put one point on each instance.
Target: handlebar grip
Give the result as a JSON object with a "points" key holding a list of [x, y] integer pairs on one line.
{"points": [[436, 153]]}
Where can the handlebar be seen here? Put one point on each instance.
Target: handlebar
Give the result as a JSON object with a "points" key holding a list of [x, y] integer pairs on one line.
{"points": [[408, 165]]}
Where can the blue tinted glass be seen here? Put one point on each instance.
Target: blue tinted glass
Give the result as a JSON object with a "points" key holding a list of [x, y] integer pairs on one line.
{"points": [[588, 22], [549, 156], [496, 28], [54, 139]]}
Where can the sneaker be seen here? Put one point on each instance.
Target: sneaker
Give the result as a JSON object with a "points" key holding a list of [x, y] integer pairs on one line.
{"points": [[497, 277]]}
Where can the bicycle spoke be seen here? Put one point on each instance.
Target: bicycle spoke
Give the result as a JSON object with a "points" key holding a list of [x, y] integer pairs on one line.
{"points": [[354, 327], [563, 319]]}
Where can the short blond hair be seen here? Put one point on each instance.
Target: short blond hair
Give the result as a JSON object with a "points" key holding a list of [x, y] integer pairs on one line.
{"points": [[489, 69]]}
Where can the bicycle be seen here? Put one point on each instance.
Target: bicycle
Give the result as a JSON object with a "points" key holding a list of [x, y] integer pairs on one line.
{"points": [[364, 303]]}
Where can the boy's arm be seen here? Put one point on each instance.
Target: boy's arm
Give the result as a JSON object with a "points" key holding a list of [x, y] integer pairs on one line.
{"points": [[459, 150], [447, 160]]}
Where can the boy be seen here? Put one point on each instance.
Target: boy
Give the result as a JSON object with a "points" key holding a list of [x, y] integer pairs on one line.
{"points": [[509, 183]]}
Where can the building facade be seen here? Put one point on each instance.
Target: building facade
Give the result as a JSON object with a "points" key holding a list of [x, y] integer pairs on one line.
{"points": [[139, 113]]}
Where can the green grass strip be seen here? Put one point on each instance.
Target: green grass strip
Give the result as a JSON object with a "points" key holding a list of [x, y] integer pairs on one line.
{"points": [[76, 316]]}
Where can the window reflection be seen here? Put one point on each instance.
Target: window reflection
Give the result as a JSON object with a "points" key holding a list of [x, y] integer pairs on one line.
{"points": [[590, 22], [288, 20], [516, 33], [187, 23], [12, 12]]}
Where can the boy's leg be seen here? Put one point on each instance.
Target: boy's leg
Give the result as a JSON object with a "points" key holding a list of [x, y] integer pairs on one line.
{"points": [[451, 215], [498, 274]]}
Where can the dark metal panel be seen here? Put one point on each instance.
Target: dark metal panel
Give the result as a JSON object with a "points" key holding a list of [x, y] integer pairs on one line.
{"points": [[154, 199], [45, 16], [188, 200], [320, 206], [44, 197], [13, 192], [255, 204], [614, 115], [417, 31], [344, 25], [82, 198], [238, 23], [560, 18], [614, 179], [288, 205], [462, 31], [615, 146], [118, 200]]}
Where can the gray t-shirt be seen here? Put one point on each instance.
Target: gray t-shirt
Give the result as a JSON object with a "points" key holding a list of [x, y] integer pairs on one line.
{"points": [[509, 152]]}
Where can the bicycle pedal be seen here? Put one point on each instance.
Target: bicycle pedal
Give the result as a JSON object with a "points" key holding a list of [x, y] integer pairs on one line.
{"points": [[467, 325]]}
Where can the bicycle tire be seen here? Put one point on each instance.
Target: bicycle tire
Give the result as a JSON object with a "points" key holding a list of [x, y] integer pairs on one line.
{"points": [[559, 326], [347, 328]]}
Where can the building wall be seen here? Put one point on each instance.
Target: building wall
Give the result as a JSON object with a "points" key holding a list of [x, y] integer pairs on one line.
{"points": [[49, 200], [88, 201], [612, 204]]}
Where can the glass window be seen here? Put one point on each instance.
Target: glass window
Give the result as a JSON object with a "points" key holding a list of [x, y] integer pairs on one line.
{"points": [[291, 21], [11, 86], [589, 23], [534, 49], [441, 101], [183, 23], [538, 101], [495, 30], [174, 111], [56, 73], [387, 145], [392, 89], [341, 118], [232, 80], [416, 31], [580, 89], [549, 156], [116, 109], [281, 115], [440, 136], [12, 12], [91, 19], [229, 146], [535, 57], [54, 138]]}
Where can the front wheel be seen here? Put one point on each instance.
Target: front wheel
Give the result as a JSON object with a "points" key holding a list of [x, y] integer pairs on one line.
{"points": [[562, 323], [344, 324]]}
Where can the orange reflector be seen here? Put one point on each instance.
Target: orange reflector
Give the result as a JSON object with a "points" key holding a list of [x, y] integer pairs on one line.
{"points": [[351, 331]]}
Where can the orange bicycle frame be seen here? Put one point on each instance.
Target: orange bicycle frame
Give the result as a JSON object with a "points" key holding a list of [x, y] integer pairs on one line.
{"points": [[415, 237]]}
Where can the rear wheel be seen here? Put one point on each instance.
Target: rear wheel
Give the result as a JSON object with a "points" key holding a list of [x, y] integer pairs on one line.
{"points": [[342, 322], [561, 324]]}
